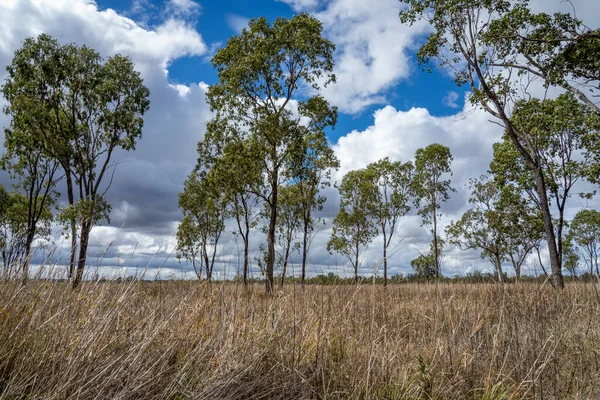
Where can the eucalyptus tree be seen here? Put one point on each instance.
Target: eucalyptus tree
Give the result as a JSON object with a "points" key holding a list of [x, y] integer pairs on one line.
{"points": [[392, 181], [490, 225], [498, 48], [15, 244], [310, 170], [553, 131], [202, 203], [570, 257], [261, 72], [432, 164], [424, 265], [288, 224], [79, 109], [585, 234], [35, 175], [353, 227], [231, 168], [482, 227]]}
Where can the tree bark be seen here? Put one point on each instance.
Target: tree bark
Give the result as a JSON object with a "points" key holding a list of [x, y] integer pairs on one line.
{"points": [[71, 199], [555, 260], [384, 256], [435, 245], [499, 268], [304, 245], [356, 264], [285, 263], [246, 252], [86, 227], [271, 235]]}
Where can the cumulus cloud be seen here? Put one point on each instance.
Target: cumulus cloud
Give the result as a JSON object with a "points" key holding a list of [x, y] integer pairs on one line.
{"points": [[372, 48], [236, 22], [450, 100], [183, 8], [301, 5]]}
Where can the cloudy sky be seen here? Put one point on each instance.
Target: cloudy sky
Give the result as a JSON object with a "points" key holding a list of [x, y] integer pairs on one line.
{"points": [[388, 106]]}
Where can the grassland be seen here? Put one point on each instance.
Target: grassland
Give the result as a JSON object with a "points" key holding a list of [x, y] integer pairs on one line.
{"points": [[188, 340]]}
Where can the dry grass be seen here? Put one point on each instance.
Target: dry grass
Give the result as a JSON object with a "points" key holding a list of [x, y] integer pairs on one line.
{"points": [[186, 340]]}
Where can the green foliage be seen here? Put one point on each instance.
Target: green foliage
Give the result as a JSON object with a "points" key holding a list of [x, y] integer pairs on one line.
{"points": [[75, 109], [555, 132], [260, 71], [353, 227], [490, 225], [391, 180], [14, 228], [203, 204], [424, 266], [584, 233], [431, 164], [431, 190], [498, 48]]}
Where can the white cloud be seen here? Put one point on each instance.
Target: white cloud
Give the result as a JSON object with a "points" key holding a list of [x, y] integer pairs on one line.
{"points": [[450, 100], [183, 8], [372, 48], [301, 5], [236, 22]]}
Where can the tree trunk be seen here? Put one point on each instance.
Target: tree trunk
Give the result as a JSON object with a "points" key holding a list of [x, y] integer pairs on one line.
{"points": [[27, 258], [86, 227], [356, 265], [285, 263], [271, 234], [499, 268], [304, 246], [555, 263], [246, 256], [71, 199], [384, 256], [207, 264], [435, 245]]}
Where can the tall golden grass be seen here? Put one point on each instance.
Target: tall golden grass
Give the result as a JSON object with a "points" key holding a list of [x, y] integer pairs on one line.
{"points": [[188, 340]]}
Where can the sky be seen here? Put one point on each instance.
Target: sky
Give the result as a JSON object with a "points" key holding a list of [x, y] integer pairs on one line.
{"points": [[388, 107]]}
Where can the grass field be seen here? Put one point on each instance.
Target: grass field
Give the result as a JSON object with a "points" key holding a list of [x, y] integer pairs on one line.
{"points": [[187, 340]]}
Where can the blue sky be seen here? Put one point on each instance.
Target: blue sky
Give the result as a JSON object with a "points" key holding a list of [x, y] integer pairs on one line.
{"points": [[388, 108]]}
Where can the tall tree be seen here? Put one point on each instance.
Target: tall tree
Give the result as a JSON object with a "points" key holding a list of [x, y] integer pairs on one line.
{"points": [[311, 171], [487, 43], [260, 72], [36, 176], [431, 190], [353, 227], [570, 257], [585, 234], [79, 109], [392, 181], [288, 224], [553, 131], [232, 167], [489, 225], [15, 242], [203, 205], [424, 264]]}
